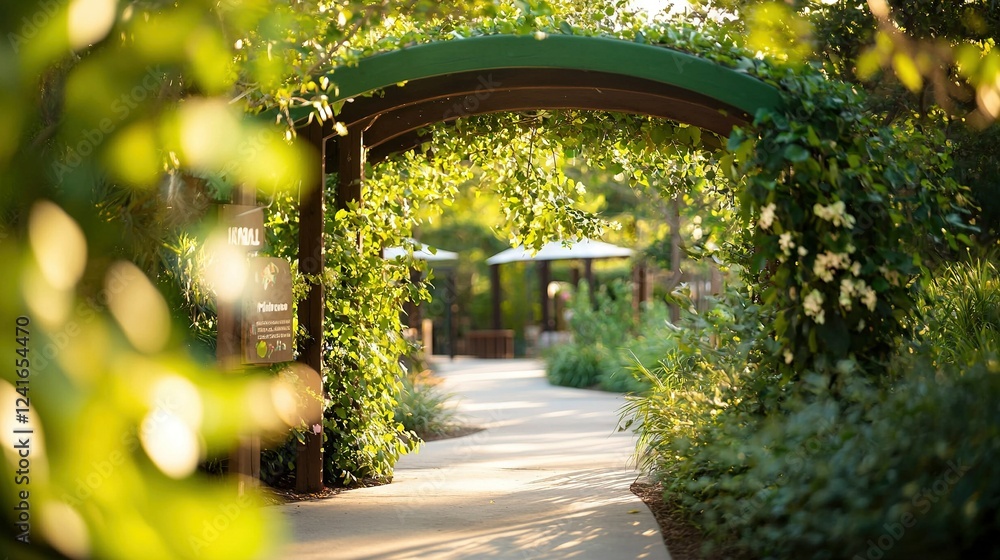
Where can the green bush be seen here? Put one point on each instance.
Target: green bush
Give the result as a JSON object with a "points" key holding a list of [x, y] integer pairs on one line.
{"points": [[883, 469], [696, 378], [962, 313], [622, 378], [603, 342], [422, 408], [576, 365], [608, 320], [904, 474]]}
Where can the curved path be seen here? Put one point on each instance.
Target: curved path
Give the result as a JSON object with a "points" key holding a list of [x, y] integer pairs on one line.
{"points": [[548, 478]]}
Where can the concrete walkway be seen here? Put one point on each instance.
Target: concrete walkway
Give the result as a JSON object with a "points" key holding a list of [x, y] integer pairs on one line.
{"points": [[548, 478]]}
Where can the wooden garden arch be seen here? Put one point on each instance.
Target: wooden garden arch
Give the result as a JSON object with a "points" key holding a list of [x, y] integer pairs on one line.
{"points": [[443, 81]]}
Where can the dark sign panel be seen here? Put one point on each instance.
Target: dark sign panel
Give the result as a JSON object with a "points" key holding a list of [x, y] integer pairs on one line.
{"points": [[267, 314], [244, 225]]}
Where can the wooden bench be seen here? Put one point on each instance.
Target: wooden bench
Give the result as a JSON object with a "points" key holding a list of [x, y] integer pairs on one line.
{"points": [[491, 344]]}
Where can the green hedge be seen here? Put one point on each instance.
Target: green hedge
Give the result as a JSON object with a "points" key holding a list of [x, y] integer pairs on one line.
{"points": [[900, 467]]}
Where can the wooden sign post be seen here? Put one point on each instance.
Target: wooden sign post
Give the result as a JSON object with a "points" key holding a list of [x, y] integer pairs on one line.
{"points": [[267, 312], [244, 227]]}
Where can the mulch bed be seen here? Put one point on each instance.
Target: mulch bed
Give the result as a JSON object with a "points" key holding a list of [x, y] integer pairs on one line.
{"points": [[458, 430], [275, 496], [684, 541]]}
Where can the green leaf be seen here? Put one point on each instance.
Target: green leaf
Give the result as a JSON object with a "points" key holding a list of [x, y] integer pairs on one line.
{"points": [[796, 153], [811, 137], [736, 139], [907, 72]]}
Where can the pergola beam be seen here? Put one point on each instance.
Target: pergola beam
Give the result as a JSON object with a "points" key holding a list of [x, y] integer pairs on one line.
{"points": [[394, 117]]}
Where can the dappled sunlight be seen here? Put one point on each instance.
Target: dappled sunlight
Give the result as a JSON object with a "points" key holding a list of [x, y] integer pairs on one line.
{"points": [[548, 477], [138, 307], [567, 515], [558, 414], [65, 530], [170, 443], [226, 270], [494, 375], [58, 244], [508, 405], [90, 20], [48, 304]]}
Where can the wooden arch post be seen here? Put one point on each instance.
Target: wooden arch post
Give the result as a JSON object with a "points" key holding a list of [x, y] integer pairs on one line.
{"points": [[309, 456], [350, 167]]}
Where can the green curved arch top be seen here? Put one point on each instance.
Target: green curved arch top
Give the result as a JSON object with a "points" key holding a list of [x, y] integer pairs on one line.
{"points": [[600, 54]]}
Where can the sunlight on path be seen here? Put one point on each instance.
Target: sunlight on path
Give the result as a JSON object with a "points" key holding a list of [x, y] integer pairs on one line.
{"points": [[548, 478]]}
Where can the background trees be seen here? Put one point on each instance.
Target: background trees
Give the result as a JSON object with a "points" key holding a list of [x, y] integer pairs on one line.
{"points": [[935, 63]]}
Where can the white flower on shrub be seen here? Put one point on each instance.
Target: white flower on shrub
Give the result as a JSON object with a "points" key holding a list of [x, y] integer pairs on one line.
{"points": [[850, 289], [786, 243], [869, 298], [813, 304], [789, 357], [856, 269], [767, 216], [835, 213], [892, 276], [828, 262], [847, 290]]}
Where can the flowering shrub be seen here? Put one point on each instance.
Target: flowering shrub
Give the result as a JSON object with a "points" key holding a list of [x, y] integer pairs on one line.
{"points": [[842, 214]]}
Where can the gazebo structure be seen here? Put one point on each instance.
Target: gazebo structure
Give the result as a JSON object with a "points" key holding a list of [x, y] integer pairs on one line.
{"points": [[586, 250], [422, 252]]}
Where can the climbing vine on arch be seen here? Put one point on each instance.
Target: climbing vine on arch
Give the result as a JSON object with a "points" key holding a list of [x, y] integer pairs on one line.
{"points": [[838, 218]]}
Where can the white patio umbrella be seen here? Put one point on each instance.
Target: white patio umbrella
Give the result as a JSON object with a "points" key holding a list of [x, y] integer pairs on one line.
{"points": [[556, 251], [421, 252]]}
